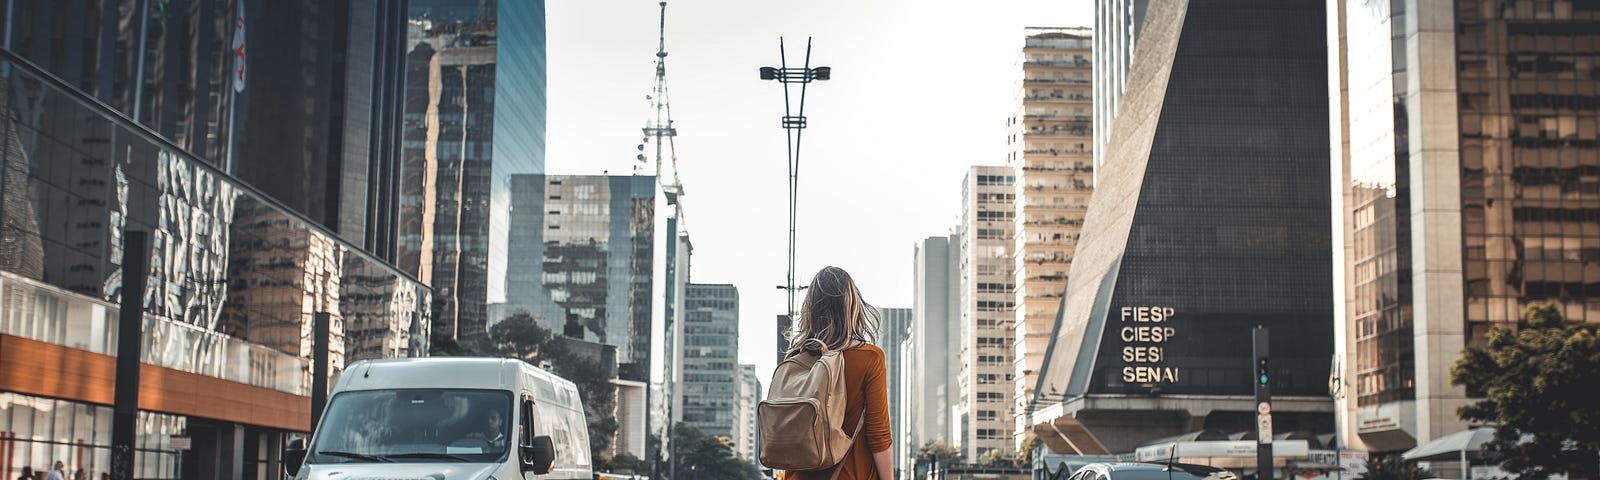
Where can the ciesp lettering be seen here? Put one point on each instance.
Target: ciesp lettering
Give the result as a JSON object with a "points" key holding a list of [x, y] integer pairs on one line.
{"points": [[1143, 348]]}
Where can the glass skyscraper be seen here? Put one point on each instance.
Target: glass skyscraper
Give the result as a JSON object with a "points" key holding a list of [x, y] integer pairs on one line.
{"points": [[582, 260], [474, 115], [1467, 147], [710, 358]]}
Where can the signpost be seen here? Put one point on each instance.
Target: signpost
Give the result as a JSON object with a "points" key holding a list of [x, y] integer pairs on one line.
{"points": [[1263, 406]]}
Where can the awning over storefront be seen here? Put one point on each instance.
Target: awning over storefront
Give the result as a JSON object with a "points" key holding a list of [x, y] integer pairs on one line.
{"points": [[1452, 446], [1064, 434]]}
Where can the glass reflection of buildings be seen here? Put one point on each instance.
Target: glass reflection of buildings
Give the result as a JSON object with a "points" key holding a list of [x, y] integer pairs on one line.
{"points": [[1469, 193], [582, 260], [474, 115], [94, 143]]}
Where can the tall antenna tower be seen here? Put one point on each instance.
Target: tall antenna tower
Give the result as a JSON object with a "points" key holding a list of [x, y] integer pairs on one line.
{"points": [[658, 130]]}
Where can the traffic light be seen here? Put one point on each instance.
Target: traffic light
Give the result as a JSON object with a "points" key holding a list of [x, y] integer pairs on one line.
{"points": [[1262, 375]]}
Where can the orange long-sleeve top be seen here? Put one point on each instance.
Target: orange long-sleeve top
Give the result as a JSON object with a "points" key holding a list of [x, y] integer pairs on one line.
{"points": [[866, 386]]}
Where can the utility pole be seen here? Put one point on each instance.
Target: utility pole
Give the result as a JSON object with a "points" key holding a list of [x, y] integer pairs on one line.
{"points": [[1263, 405]]}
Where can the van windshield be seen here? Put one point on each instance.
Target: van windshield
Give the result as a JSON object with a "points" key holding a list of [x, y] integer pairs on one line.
{"points": [[414, 426]]}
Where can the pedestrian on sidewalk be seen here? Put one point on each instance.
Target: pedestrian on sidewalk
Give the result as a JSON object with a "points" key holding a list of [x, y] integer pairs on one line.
{"points": [[835, 314], [58, 473]]}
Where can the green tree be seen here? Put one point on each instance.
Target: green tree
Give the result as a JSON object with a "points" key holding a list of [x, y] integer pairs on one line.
{"points": [[1537, 384], [937, 451], [1392, 468], [999, 459], [707, 457]]}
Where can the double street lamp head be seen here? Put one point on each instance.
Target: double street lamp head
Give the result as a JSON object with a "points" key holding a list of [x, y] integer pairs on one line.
{"points": [[796, 75]]}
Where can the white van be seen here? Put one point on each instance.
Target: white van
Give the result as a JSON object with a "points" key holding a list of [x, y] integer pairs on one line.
{"points": [[447, 418]]}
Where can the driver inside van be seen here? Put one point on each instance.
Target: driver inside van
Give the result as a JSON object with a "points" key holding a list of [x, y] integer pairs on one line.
{"points": [[492, 430]]}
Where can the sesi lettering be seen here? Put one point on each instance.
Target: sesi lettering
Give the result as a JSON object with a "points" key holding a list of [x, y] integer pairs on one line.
{"points": [[1141, 354]]}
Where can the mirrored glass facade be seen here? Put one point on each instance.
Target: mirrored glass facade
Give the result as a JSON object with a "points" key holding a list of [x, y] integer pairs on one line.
{"points": [[1379, 207], [583, 260], [474, 115], [293, 97], [1472, 182], [227, 264]]}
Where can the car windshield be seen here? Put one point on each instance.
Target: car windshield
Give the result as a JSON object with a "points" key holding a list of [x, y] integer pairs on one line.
{"points": [[414, 426], [1177, 473]]}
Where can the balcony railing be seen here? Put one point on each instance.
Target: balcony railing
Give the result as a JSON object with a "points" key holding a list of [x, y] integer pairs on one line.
{"points": [[1074, 81], [1059, 63], [1059, 116], [1062, 98]]}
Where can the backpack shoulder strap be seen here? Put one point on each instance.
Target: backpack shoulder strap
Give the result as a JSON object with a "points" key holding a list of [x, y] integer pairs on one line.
{"points": [[853, 435]]}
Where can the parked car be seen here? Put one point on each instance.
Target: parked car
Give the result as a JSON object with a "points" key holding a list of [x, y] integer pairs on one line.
{"points": [[1150, 471], [467, 418]]}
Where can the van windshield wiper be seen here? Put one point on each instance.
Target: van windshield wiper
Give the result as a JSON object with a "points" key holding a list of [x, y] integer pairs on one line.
{"points": [[429, 455], [353, 455]]}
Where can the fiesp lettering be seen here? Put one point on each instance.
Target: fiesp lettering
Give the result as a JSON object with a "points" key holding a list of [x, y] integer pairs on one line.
{"points": [[1147, 314]]}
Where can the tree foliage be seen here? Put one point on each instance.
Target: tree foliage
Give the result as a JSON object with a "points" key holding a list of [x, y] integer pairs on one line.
{"points": [[702, 456], [1392, 468], [936, 451], [1000, 459], [1538, 384]]}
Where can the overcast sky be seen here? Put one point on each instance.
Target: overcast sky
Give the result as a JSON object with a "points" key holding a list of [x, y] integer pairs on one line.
{"points": [[920, 92]]}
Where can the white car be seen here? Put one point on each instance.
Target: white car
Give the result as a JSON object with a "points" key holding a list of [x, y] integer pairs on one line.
{"points": [[451, 417]]}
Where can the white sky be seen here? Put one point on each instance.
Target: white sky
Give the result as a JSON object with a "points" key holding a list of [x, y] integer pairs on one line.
{"points": [[920, 91]]}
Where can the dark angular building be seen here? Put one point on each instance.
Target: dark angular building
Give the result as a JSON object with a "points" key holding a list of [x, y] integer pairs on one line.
{"points": [[1211, 216]]}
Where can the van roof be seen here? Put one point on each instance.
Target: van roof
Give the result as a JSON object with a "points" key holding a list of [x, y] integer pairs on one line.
{"points": [[450, 372]]}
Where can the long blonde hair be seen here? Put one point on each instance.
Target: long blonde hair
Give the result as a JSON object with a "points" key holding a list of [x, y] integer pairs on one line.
{"points": [[833, 314]]}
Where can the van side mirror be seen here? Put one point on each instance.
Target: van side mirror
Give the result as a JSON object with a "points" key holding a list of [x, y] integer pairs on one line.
{"points": [[538, 456], [294, 456]]}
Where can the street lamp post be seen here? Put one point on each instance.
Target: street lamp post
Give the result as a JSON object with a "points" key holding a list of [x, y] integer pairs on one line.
{"points": [[794, 122]]}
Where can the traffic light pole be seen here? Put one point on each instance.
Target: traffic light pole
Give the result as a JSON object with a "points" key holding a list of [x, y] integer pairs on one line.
{"points": [[1263, 405]]}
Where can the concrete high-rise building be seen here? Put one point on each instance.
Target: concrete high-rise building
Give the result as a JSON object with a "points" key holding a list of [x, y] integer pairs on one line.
{"points": [[1054, 176], [1116, 31], [582, 260], [1462, 132], [710, 355], [744, 422], [632, 405], [473, 117], [931, 372], [983, 406], [893, 329], [1210, 218]]}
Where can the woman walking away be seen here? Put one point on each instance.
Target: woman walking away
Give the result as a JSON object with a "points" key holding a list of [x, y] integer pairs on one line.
{"points": [[835, 316]]}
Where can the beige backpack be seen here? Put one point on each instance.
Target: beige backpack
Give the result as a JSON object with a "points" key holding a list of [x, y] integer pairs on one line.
{"points": [[799, 420]]}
